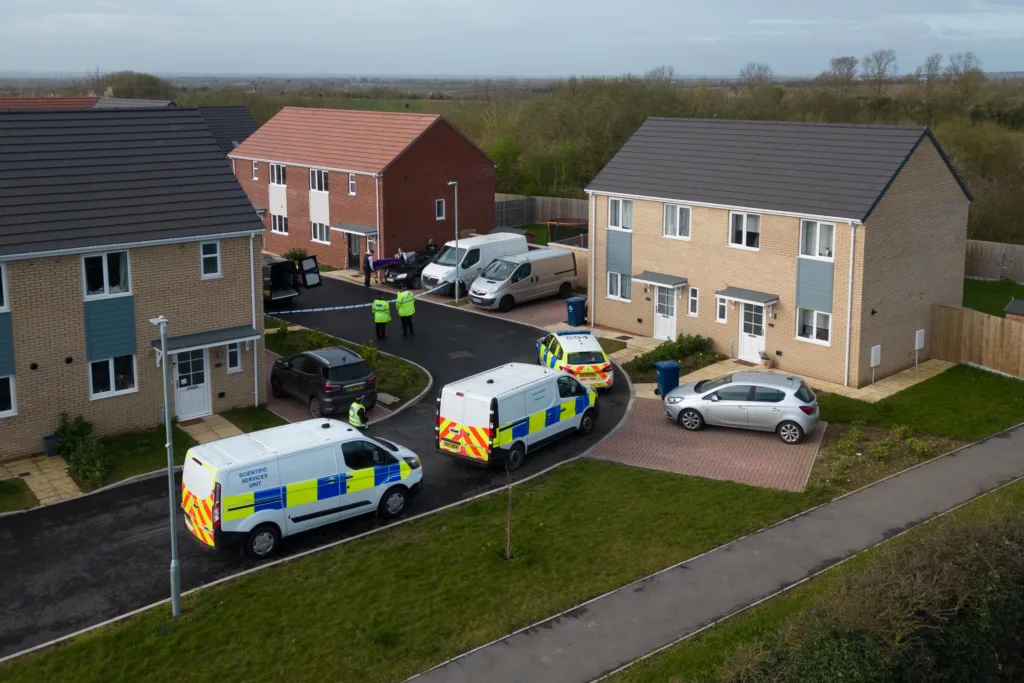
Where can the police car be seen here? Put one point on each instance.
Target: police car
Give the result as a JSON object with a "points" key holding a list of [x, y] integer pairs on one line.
{"points": [[579, 353]]}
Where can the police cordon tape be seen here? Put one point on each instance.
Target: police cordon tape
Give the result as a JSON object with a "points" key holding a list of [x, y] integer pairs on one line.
{"points": [[345, 308]]}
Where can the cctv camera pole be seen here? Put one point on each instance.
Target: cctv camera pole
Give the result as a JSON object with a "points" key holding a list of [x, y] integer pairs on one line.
{"points": [[175, 574], [458, 257]]}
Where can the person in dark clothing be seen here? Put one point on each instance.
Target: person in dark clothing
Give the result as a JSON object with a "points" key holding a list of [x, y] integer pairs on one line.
{"points": [[367, 268], [431, 247]]}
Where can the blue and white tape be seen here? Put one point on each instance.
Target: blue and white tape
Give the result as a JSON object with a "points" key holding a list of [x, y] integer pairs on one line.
{"points": [[344, 308]]}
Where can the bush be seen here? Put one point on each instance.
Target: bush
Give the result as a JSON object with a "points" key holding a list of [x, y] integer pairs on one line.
{"points": [[371, 354], [317, 339], [295, 254], [282, 329], [684, 346], [70, 433], [87, 459]]}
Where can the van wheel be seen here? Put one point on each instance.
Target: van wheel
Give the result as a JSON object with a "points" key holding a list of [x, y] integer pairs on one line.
{"points": [[416, 283], [392, 503], [506, 304], [586, 423], [790, 432], [315, 410], [515, 456], [262, 542], [565, 291], [275, 389]]}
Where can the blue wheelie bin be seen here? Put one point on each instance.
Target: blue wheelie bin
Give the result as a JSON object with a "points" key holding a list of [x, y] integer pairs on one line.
{"points": [[577, 310], [667, 372]]}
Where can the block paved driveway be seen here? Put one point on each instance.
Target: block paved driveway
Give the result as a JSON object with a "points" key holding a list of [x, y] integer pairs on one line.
{"points": [[68, 566], [649, 439]]}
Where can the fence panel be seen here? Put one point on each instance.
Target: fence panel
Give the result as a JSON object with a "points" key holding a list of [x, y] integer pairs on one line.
{"points": [[514, 210], [512, 213], [962, 335], [994, 260]]}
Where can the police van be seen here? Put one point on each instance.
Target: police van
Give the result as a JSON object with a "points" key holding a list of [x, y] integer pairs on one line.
{"points": [[579, 353], [498, 416], [263, 486]]}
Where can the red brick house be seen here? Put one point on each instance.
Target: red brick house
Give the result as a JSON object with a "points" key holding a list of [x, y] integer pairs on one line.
{"points": [[334, 181]]}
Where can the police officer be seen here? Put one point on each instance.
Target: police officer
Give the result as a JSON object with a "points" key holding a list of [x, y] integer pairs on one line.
{"points": [[381, 316], [357, 414], [406, 309]]}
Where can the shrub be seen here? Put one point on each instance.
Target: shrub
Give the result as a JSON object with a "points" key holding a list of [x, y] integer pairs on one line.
{"points": [[317, 339], [684, 346], [282, 329], [70, 433], [295, 254], [371, 354], [89, 462]]}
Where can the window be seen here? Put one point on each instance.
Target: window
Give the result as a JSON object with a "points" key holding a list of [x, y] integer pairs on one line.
{"points": [[814, 325], [522, 272], [112, 377], [439, 209], [721, 310], [766, 395], [694, 295], [677, 221], [745, 232], [472, 258], [739, 392], [255, 170], [7, 404], [816, 239], [352, 184], [361, 455], [804, 393], [620, 214], [619, 286], [277, 174], [568, 387], [317, 180], [321, 233], [234, 357], [209, 255], [279, 224], [4, 304], [586, 358], [106, 275]]}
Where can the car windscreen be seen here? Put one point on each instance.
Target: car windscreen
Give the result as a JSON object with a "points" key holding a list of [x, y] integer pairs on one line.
{"points": [[712, 384], [499, 270], [448, 257], [585, 358], [349, 373], [804, 393], [387, 444]]}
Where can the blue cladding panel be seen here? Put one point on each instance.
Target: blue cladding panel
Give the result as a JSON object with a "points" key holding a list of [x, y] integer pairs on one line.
{"points": [[619, 258], [6, 345], [110, 327], [814, 284]]}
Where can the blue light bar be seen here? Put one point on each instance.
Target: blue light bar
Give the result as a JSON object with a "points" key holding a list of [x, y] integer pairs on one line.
{"points": [[561, 332]]}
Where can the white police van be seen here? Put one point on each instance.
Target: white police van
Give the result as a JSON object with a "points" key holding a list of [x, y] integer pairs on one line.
{"points": [[262, 486]]}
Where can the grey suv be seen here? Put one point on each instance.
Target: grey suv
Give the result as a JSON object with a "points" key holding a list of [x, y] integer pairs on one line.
{"points": [[329, 380], [765, 401]]}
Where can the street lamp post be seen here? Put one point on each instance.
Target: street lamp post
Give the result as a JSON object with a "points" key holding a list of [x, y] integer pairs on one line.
{"points": [[161, 322], [458, 257]]}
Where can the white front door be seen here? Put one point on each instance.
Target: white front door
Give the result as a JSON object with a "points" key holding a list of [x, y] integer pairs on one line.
{"points": [[751, 333], [664, 312], [191, 384]]}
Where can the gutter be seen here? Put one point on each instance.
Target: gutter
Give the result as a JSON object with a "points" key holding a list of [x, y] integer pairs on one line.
{"points": [[849, 302], [128, 245], [298, 165]]}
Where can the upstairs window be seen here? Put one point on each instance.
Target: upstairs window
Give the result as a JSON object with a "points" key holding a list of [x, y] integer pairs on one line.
{"points": [[209, 255], [439, 209], [816, 240], [255, 170], [106, 275], [745, 231], [4, 302], [620, 214], [677, 221], [317, 180], [279, 224], [278, 174], [352, 183]]}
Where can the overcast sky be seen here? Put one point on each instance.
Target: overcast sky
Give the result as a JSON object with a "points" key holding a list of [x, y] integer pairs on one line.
{"points": [[496, 37]]}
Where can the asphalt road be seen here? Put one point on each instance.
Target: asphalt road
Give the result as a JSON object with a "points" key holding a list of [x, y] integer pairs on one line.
{"points": [[75, 564]]}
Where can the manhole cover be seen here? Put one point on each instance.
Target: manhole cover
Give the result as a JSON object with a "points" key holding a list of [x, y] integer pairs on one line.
{"points": [[386, 399], [624, 338], [460, 354]]}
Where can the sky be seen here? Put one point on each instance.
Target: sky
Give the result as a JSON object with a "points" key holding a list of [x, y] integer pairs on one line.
{"points": [[522, 38]]}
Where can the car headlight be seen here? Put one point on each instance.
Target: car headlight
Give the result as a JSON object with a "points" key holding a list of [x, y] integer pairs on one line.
{"points": [[413, 461], [401, 276], [673, 400]]}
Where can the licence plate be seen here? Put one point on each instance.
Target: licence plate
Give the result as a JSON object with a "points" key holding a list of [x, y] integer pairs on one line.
{"points": [[356, 387], [449, 445]]}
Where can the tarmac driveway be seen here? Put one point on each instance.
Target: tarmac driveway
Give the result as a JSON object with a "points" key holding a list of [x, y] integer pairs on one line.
{"points": [[68, 566]]}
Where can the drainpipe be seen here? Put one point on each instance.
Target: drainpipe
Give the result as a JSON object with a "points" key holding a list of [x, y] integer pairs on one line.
{"points": [[380, 237], [849, 303], [592, 235], [256, 342]]}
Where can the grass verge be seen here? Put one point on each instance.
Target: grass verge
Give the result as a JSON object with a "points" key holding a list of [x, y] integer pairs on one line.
{"points": [[253, 419], [410, 597], [16, 495], [991, 296], [610, 346], [141, 452]]}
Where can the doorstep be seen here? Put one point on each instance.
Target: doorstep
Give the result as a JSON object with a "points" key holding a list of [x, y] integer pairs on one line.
{"points": [[209, 428]]}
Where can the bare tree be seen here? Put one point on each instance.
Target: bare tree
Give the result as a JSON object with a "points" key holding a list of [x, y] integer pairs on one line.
{"points": [[879, 67], [965, 74], [756, 73], [932, 70], [663, 74], [841, 72]]}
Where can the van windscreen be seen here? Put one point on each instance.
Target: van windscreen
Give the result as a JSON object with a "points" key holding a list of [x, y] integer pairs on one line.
{"points": [[348, 373], [499, 270], [448, 257], [585, 358]]}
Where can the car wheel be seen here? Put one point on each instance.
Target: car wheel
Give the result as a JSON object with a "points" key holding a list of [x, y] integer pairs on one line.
{"points": [[416, 283], [515, 456], [690, 420], [790, 432], [275, 389], [262, 542], [392, 503], [315, 409], [506, 304], [565, 291], [586, 423]]}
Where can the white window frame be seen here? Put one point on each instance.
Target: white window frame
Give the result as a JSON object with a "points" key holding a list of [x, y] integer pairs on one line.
{"points": [[279, 226], [277, 174], [5, 300], [618, 279], [721, 304], [255, 170], [814, 332], [203, 275], [110, 371], [106, 275], [318, 180], [352, 185], [442, 204], [237, 367], [14, 398], [326, 230], [743, 245], [678, 210], [622, 203], [817, 241], [693, 302]]}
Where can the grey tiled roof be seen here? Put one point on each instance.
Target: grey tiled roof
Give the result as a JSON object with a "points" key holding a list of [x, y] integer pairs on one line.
{"points": [[1015, 307], [230, 124], [125, 103], [837, 170], [91, 177]]}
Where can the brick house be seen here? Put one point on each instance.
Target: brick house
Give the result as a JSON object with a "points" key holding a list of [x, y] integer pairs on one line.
{"points": [[823, 246], [109, 218], [337, 182]]}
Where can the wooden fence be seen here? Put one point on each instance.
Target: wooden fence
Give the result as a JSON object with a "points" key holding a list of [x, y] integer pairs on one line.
{"points": [[539, 209], [994, 260], [960, 335]]}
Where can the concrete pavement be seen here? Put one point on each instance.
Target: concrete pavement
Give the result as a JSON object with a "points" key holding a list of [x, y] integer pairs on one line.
{"points": [[613, 630]]}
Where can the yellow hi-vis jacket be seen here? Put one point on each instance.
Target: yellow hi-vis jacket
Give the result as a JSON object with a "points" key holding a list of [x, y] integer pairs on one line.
{"points": [[405, 303], [381, 311], [357, 415]]}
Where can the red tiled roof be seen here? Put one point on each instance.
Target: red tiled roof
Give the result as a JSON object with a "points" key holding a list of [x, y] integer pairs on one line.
{"points": [[335, 138], [48, 102]]}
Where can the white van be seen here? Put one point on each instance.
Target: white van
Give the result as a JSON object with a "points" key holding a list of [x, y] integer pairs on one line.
{"points": [[262, 486], [476, 253], [511, 280], [498, 416]]}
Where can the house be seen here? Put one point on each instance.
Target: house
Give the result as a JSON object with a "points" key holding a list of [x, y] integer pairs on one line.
{"points": [[1015, 310], [337, 182], [109, 218], [231, 125], [823, 246], [78, 102]]}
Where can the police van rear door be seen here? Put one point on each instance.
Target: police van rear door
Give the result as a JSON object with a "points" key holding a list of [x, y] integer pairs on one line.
{"points": [[198, 483]]}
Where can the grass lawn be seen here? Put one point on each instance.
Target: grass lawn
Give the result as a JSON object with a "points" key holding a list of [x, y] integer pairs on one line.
{"points": [[270, 323], [610, 346], [141, 452], [410, 597], [253, 419], [991, 296], [16, 495], [395, 376]]}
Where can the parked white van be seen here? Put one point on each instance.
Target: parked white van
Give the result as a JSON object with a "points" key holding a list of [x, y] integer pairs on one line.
{"points": [[498, 416], [262, 486], [474, 254], [514, 279]]}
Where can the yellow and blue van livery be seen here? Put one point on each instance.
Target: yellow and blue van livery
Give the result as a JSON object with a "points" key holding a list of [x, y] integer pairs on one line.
{"points": [[579, 353]]}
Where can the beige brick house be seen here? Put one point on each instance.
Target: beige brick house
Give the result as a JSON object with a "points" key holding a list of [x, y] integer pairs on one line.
{"points": [[820, 246], [109, 218]]}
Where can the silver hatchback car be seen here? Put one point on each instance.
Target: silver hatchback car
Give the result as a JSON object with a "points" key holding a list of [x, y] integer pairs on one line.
{"points": [[765, 401]]}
